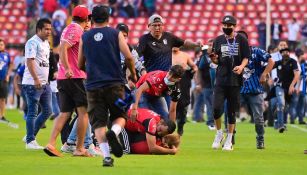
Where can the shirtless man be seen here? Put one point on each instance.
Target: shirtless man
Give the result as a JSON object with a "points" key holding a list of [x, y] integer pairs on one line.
{"points": [[185, 60]]}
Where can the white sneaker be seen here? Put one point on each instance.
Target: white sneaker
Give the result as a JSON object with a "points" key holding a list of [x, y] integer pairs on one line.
{"points": [[24, 139], [217, 140], [33, 145], [228, 145], [94, 151], [211, 127], [68, 148]]}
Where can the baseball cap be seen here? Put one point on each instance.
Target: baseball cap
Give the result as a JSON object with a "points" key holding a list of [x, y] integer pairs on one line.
{"points": [[122, 27], [80, 11], [155, 18], [229, 20], [101, 13]]}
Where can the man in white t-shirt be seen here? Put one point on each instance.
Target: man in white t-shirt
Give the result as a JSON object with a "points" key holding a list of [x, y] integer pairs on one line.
{"points": [[35, 81], [293, 30]]}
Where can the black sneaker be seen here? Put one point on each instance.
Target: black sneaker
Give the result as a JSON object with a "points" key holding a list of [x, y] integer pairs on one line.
{"points": [[4, 120], [108, 162], [302, 123], [281, 129], [116, 147], [260, 144]]}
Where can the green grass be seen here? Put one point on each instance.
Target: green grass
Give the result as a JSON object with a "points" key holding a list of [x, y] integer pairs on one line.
{"points": [[283, 155]]}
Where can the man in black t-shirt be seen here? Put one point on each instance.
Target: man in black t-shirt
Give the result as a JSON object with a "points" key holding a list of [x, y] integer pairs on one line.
{"points": [[287, 76], [230, 53], [156, 46]]}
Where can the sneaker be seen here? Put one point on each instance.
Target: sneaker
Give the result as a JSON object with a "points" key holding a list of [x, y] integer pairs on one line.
{"points": [[4, 120], [116, 147], [24, 139], [281, 129], [219, 137], [107, 162], [227, 145], [33, 145], [94, 151], [52, 151], [260, 144], [211, 127], [68, 148], [302, 123]]}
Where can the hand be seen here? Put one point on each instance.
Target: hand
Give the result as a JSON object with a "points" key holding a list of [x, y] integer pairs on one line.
{"points": [[213, 57], [68, 73], [133, 115], [199, 44], [238, 70], [7, 78], [297, 91], [291, 89], [263, 79], [37, 84], [174, 150], [17, 91], [131, 84], [55, 75], [270, 82], [198, 88]]}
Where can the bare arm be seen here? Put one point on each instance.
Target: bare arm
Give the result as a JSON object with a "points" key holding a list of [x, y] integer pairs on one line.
{"points": [[156, 149], [267, 70], [81, 58], [238, 69], [294, 81], [192, 64], [172, 111], [138, 95], [191, 44], [128, 57], [64, 58]]}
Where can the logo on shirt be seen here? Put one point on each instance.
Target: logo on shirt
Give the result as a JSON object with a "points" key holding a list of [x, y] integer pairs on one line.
{"points": [[98, 36], [165, 42], [247, 73], [154, 43]]}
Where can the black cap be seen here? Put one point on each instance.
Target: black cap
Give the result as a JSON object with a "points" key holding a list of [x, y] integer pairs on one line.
{"points": [[229, 20], [101, 13], [122, 27]]}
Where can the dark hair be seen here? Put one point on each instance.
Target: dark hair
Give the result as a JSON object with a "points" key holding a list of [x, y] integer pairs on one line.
{"points": [[271, 47], [78, 19], [2, 40], [41, 23], [243, 33], [176, 71], [171, 126]]}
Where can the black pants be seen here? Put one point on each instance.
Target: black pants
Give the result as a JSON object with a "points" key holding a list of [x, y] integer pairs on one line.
{"points": [[232, 95]]}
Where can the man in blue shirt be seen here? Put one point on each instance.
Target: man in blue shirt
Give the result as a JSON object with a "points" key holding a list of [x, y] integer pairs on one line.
{"points": [[254, 74], [100, 48], [5, 69]]}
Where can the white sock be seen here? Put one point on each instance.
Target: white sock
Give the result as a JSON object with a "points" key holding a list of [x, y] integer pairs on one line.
{"points": [[220, 131], [229, 137], [116, 128], [104, 147]]}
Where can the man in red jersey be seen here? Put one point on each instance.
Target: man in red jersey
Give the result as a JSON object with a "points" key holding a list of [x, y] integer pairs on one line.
{"points": [[153, 86], [146, 133]]}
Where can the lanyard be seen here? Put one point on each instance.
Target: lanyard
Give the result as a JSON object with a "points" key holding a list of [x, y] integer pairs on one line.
{"points": [[231, 46]]}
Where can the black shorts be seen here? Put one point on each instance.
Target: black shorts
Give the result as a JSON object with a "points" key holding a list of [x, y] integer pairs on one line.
{"points": [[229, 93], [3, 89], [102, 102], [71, 94]]}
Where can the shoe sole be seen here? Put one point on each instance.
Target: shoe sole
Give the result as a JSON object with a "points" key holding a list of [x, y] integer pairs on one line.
{"points": [[281, 130], [116, 147], [52, 153]]}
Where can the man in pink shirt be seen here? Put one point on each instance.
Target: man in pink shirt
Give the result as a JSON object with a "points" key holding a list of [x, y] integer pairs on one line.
{"points": [[70, 83]]}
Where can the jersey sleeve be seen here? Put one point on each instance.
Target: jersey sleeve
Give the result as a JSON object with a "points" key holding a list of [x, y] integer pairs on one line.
{"points": [[72, 36], [141, 46], [175, 93], [177, 42], [295, 66], [262, 55], [150, 126], [30, 49]]}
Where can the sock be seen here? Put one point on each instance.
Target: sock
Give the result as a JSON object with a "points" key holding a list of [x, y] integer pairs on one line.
{"points": [[116, 128], [220, 131], [229, 137], [104, 147]]}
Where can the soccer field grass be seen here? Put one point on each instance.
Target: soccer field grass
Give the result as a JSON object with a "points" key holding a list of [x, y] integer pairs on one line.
{"points": [[283, 155]]}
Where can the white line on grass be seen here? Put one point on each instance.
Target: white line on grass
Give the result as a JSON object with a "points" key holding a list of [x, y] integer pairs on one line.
{"points": [[299, 128]]}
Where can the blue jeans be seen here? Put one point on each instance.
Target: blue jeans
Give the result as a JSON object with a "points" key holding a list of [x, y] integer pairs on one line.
{"points": [[291, 108], [255, 102], [156, 103], [25, 109], [72, 138], [278, 105], [205, 97], [301, 107], [55, 104], [34, 98]]}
